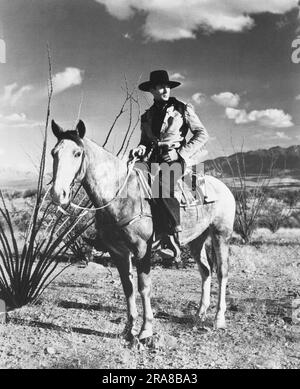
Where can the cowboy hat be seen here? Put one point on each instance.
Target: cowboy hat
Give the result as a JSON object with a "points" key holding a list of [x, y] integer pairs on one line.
{"points": [[158, 77]]}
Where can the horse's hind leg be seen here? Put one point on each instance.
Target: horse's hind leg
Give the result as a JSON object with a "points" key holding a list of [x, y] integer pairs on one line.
{"points": [[124, 266], [144, 286], [221, 250], [205, 268]]}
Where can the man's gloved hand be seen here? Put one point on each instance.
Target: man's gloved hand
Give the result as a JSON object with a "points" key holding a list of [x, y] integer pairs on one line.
{"points": [[171, 156], [139, 151]]}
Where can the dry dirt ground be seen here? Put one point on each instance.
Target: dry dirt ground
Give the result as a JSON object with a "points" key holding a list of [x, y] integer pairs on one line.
{"points": [[79, 319]]}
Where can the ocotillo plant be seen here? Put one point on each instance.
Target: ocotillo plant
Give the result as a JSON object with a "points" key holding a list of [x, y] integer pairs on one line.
{"points": [[26, 269]]}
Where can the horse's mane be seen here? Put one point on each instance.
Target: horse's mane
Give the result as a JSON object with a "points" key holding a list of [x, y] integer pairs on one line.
{"points": [[103, 149], [74, 136]]}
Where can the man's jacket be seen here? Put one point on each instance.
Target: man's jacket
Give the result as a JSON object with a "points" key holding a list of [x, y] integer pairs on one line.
{"points": [[178, 119]]}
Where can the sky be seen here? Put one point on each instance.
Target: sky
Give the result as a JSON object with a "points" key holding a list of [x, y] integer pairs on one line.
{"points": [[233, 58]]}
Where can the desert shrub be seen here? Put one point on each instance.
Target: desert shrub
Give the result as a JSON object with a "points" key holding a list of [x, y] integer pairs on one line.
{"points": [[29, 193], [292, 197], [21, 220], [249, 202], [275, 215], [15, 194], [249, 207], [293, 221]]}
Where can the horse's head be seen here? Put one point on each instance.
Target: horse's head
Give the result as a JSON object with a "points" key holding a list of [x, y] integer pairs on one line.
{"points": [[68, 161]]}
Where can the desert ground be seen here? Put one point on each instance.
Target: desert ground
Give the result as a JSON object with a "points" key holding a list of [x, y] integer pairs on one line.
{"points": [[78, 321]]}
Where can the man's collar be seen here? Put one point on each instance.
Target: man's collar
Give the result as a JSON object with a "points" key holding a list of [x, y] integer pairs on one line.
{"points": [[161, 105]]}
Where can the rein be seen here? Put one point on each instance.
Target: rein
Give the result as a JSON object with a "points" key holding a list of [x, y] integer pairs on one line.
{"points": [[119, 191]]}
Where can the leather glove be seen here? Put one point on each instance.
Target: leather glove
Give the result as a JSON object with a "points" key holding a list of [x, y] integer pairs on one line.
{"points": [[171, 156]]}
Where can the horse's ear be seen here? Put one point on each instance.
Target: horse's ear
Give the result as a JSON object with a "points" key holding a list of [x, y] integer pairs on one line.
{"points": [[80, 128], [57, 130]]}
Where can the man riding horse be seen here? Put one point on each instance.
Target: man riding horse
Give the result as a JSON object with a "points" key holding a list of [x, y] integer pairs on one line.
{"points": [[164, 128], [124, 224]]}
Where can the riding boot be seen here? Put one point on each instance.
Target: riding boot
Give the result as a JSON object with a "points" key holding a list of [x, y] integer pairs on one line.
{"points": [[172, 208]]}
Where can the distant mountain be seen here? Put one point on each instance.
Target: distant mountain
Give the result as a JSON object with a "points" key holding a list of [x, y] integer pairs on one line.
{"points": [[12, 178], [282, 161], [285, 162]]}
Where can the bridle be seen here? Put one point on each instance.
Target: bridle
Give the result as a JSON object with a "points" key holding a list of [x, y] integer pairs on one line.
{"points": [[127, 220], [130, 167]]}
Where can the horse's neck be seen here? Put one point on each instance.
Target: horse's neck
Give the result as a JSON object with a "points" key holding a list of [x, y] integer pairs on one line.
{"points": [[105, 173]]}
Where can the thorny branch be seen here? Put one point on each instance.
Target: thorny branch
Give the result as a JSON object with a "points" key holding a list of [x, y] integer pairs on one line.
{"points": [[130, 99]]}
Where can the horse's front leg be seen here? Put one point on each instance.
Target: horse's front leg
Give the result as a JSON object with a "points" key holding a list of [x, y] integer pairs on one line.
{"points": [[203, 260], [144, 286], [124, 266]]}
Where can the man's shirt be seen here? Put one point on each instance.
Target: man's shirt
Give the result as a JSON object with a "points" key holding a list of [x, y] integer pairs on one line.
{"points": [[169, 123]]}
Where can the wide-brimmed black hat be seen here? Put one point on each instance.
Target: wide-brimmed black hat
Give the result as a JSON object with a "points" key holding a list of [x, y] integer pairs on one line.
{"points": [[158, 77]]}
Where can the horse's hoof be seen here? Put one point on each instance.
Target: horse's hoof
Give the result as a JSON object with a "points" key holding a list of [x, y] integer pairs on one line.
{"points": [[134, 342], [201, 323], [220, 324], [201, 315], [145, 335], [129, 337], [201, 318], [129, 334], [147, 342], [178, 264]]}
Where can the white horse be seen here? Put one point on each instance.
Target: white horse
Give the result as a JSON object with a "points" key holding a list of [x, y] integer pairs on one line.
{"points": [[125, 225]]}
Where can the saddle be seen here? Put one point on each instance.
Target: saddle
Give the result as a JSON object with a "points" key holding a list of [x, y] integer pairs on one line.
{"points": [[191, 190]]}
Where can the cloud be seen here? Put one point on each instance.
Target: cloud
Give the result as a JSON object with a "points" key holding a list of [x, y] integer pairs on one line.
{"points": [[177, 77], [15, 117], [17, 120], [66, 79], [227, 99], [282, 135], [267, 118], [199, 98], [12, 94], [127, 36], [212, 138], [19, 94], [297, 97], [178, 19]]}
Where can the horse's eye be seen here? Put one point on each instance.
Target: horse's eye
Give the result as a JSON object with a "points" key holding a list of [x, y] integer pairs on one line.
{"points": [[77, 154]]}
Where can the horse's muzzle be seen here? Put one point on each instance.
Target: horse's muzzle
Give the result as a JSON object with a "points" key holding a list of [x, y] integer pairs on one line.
{"points": [[60, 196]]}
